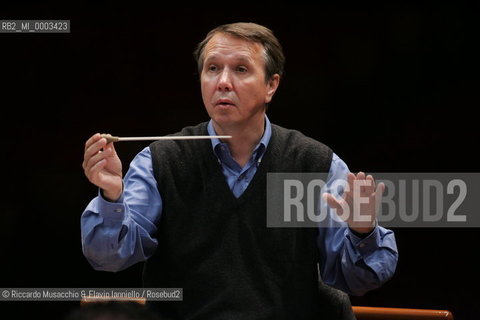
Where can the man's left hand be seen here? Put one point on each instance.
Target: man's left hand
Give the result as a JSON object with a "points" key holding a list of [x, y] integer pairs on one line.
{"points": [[359, 203]]}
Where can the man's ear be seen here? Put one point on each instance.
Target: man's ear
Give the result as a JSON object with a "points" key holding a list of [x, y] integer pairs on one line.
{"points": [[272, 86]]}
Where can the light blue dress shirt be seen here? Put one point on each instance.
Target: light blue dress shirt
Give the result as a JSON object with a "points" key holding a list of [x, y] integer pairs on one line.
{"points": [[118, 235]]}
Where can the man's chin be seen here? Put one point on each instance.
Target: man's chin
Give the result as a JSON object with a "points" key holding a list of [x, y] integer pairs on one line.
{"points": [[222, 120]]}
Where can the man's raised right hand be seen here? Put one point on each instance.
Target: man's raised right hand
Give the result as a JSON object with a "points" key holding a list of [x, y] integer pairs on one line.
{"points": [[103, 167]]}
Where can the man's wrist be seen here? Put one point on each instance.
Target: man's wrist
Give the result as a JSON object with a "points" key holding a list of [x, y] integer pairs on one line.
{"points": [[364, 231], [361, 235], [111, 196]]}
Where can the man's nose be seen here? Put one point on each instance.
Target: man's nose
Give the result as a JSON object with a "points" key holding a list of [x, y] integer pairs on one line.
{"points": [[225, 81]]}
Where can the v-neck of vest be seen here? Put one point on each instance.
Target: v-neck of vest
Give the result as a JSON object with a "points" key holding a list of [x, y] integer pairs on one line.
{"points": [[258, 174]]}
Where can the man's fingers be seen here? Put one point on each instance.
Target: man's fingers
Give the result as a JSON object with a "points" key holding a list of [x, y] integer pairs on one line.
{"points": [[378, 195], [350, 181], [92, 140], [369, 185], [350, 178], [380, 189], [361, 176], [94, 147], [340, 207], [366, 184], [93, 172], [332, 202], [109, 147], [98, 157]]}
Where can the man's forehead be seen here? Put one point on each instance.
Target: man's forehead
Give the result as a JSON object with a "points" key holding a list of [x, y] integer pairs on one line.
{"points": [[222, 43], [234, 55]]}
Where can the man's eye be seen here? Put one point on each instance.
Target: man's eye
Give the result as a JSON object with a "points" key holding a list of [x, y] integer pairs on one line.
{"points": [[212, 68], [241, 69]]}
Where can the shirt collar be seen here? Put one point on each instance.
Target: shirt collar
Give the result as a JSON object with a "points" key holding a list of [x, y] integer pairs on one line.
{"points": [[261, 146]]}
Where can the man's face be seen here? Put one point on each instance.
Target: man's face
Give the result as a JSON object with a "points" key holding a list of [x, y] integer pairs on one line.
{"points": [[233, 83]]}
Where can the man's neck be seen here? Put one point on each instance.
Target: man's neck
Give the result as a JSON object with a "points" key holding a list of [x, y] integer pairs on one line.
{"points": [[244, 138]]}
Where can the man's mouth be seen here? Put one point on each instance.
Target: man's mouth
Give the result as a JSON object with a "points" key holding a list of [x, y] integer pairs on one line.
{"points": [[225, 103]]}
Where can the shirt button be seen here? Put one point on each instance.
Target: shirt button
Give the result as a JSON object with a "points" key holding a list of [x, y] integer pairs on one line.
{"points": [[118, 210], [361, 245]]}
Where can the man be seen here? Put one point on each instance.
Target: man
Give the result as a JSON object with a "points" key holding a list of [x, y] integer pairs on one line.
{"points": [[197, 209]]}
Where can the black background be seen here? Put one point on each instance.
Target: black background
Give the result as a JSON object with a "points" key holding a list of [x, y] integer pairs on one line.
{"points": [[391, 88]]}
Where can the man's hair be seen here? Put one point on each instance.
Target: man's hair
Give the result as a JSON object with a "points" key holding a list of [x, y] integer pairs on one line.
{"points": [[274, 58]]}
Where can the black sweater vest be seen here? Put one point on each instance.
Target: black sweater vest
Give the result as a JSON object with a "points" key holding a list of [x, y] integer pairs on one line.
{"points": [[218, 248]]}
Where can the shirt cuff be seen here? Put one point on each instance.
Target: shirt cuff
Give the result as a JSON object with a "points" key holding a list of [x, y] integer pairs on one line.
{"points": [[111, 211], [365, 246]]}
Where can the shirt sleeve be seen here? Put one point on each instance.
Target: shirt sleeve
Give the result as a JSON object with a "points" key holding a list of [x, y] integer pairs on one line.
{"points": [[116, 235], [348, 262]]}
